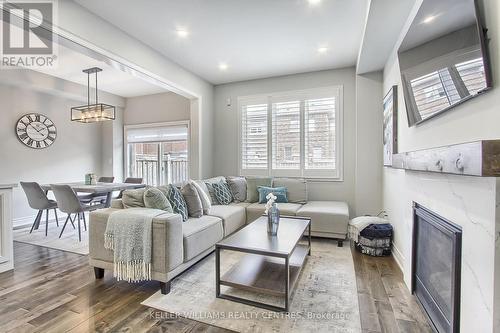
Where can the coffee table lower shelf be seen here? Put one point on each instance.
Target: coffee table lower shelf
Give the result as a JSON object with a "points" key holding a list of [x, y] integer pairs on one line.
{"points": [[265, 275]]}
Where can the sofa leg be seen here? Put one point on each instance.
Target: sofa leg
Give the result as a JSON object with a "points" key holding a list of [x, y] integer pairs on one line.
{"points": [[340, 243], [165, 287], [98, 272]]}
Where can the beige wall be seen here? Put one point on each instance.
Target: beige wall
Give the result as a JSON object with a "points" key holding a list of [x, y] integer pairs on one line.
{"points": [[226, 129], [156, 108]]}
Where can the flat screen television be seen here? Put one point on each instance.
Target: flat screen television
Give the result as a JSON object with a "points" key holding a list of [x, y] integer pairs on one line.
{"points": [[443, 58]]}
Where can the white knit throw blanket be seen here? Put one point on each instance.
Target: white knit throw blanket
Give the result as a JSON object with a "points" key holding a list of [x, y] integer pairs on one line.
{"points": [[129, 235], [356, 225]]}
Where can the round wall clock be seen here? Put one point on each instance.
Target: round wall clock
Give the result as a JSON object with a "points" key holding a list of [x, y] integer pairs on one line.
{"points": [[36, 130]]}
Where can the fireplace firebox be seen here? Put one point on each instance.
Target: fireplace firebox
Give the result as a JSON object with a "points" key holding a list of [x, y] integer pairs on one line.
{"points": [[437, 245]]}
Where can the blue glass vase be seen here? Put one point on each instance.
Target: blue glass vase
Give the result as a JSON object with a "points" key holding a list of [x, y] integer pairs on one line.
{"points": [[273, 220]]}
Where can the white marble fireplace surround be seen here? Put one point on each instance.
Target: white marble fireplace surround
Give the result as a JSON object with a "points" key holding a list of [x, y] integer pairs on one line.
{"points": [[471, 202]]}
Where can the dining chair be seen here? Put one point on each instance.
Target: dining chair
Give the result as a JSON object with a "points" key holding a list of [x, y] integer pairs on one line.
{"points": [[106, 179], [130, 180], [37, 199], [69, 203]]}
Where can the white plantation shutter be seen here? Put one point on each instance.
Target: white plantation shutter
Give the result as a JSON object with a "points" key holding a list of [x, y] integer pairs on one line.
{"points": [[320, 133], [286, 135], [472, 74], [254, 137], [292, 134]]}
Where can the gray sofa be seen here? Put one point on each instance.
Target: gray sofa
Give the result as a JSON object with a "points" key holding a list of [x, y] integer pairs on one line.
{"points": [[178, 245]]}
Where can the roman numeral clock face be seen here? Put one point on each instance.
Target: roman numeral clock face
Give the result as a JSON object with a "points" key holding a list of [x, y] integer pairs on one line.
{"points": [[36, 131]]}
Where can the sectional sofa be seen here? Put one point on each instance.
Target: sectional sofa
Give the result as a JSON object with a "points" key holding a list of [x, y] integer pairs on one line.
{"points": [[177, 245]]}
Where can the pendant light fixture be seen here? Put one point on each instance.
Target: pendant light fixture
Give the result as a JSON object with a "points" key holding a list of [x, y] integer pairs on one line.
{"points": [[92, 113]]}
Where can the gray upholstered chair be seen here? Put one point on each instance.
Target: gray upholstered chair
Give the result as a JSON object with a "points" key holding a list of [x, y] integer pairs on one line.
{"points": [[106, 179], [69, 203], [37, 199], [130, 180]]}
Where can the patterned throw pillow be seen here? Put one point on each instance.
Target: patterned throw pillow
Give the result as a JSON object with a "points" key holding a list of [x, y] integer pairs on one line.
{"points": [[177, 201], [213, 198], [155, 198], [133, 198], [238, 187], [222, 193], [192, 199], [279, 192]]}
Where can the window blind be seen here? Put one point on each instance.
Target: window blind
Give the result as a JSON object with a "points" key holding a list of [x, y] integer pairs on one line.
{"points": [[157, 134], [319, 115], [472, 74], [254, 136], [286, 135]]}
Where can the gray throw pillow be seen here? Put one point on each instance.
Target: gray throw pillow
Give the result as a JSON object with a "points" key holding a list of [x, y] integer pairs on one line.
{"points": [[155, 198], [238, 187], [252, 185], [222, 193], [204, 197], [133, 198], [193, 201], [177, 201], [296, 189]]}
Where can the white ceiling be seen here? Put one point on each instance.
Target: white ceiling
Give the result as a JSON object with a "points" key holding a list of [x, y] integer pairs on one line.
{"points": [[112, 80], [255, 38]]}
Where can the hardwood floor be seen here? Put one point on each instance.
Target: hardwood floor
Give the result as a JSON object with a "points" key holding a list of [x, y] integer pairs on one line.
{"points": [[55, 291]]}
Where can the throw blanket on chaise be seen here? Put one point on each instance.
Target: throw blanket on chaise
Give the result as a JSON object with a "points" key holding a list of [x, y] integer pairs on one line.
{"points": [[129, 235]]}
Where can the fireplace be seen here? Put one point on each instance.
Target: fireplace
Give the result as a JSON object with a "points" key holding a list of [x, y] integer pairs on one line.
{"points": [[436, 268]]}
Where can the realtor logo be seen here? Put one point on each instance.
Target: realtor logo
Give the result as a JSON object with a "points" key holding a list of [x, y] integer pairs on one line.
{"points": [[27, 37]]}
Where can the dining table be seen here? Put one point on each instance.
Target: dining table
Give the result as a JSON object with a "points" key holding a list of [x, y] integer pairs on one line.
{"points": [[98, 189]]}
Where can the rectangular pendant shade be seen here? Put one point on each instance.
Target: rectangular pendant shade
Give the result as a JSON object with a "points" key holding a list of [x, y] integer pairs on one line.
{"points": [[93, 113]]}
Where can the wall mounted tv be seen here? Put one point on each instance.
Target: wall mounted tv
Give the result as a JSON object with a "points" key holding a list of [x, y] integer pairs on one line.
{"points": [[443, 58]]}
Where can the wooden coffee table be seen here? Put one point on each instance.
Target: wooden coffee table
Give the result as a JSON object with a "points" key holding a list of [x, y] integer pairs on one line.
{"points": [[272, 265]]}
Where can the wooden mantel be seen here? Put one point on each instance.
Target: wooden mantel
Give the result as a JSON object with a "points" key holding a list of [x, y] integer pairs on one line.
{"points": [[479, 158]]}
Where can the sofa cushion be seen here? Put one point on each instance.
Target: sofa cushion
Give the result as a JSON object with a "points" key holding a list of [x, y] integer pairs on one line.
{"points": [[199, 234], [156, 199], [253, 183], [208, 184], [233, 217], [238, 187], [327, 216], [296, 188], [240, 204], [206, 203], [177, 201], [133, 198], [255, 210], [192, 199], [222, 193]]}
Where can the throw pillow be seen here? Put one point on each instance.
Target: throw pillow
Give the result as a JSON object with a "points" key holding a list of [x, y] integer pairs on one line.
{"points": [[192, 199], [279, 192], [253, 183], [208, 183], [133, 198], [205, 199], [238, 187], [177, 201], [296, 189], [222, 193], [155, 198]]}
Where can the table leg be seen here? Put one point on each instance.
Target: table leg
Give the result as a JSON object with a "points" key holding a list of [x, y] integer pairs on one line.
{"points": [[109, 196], [309, 253], [287, 283], [217, 271]]}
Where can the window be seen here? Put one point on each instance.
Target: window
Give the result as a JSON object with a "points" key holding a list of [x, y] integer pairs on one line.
{"points": [[158, 153], [292, 134]]}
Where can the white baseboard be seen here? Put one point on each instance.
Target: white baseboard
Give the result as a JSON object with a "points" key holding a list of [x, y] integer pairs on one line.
{"points": [[398, 257]]}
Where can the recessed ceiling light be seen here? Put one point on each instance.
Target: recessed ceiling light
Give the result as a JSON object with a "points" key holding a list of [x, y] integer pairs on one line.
{"points": [[183, 33], [314, 2], [322, 49], [223, 66], [429, 19]]}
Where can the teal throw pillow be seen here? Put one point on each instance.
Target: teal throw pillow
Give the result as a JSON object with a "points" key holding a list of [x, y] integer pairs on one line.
{"points": [[279, 192], [176, 199], [222, 193]]}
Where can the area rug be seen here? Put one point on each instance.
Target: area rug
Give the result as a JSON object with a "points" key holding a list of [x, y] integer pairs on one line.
{"points": [[68, 241], [325, 299]]}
